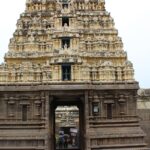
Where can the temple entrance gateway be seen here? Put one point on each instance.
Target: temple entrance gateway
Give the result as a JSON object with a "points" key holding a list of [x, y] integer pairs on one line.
{"points": [[67, 124], [67, 127]]}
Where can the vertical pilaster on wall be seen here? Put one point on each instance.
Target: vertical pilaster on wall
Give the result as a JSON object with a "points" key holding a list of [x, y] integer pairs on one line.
{"points": [[47, 125], [86, 117], [89, 145], [43, 101], [135, 97], [86, 109], [51, 123]]}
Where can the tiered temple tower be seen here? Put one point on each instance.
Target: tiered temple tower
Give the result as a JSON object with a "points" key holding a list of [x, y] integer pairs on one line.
{"points": [[68, 52]]}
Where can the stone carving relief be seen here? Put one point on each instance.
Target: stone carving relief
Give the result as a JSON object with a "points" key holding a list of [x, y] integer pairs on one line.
{"points": [[92, 37]]}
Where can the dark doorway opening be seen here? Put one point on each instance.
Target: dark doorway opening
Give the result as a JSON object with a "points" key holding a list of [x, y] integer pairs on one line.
{"points": [[67, 127], [65, 42], [67, 124], [24, 112], [65, 21], [66, 72], [65, 5], [109, 111]]}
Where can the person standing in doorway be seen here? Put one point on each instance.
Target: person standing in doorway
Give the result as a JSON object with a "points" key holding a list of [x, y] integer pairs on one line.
{"points": [[66, 140], [61, 141]]}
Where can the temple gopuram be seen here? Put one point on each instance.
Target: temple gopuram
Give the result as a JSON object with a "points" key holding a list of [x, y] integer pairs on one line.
{"points": [[66, 82]]}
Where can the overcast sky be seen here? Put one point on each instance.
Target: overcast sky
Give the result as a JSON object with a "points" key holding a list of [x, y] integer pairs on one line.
{"points": [[132, 19]]}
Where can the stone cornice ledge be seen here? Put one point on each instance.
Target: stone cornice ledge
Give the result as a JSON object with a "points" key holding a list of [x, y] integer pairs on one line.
{"points": [[69, 86]]}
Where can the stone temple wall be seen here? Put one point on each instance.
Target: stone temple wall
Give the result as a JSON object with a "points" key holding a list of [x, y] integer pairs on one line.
{"points": [[143, 106], [63, 52]]}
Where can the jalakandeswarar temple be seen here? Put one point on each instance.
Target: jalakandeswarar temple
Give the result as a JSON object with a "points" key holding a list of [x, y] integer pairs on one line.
{"points": [[66, 76]]}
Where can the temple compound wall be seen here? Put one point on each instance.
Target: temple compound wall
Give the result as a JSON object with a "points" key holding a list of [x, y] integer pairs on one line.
{"points": [[109, 119], [143, 110]]}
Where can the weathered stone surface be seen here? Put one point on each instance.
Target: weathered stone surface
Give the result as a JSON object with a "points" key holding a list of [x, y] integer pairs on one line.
{"points": [[143, 109], [53, 33], [68, 53]]}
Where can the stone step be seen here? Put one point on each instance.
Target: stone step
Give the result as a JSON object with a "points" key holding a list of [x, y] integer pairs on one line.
{"points": [[22, 148], [140, 146]]}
